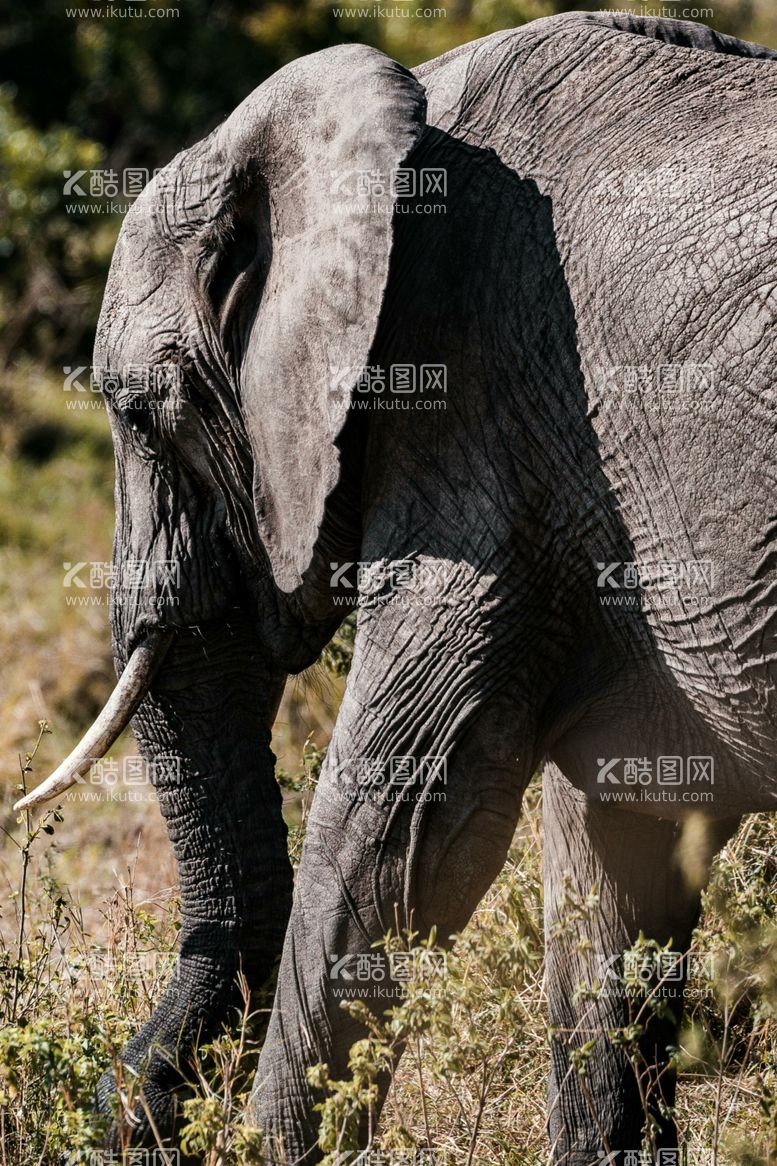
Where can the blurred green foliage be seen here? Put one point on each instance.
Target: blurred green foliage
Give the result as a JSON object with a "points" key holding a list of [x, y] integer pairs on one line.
{"points": [[106, 91]]}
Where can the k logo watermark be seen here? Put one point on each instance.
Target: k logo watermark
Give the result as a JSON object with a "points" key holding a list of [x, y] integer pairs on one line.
{"points": [[365, 975], [129, 1157], [653, 586], [671, 778], [402, 190], [86, 583], [401, 778]]}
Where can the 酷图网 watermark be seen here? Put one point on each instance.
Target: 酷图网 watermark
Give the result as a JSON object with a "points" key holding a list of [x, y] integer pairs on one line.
{"points": [[650, 586], [667, 778], [396, 582], [86, 583], [402, 386], [403, 190], [136, 386], [366, 975], [401, 778], [126, 779], [651, 970], [134, 965]]}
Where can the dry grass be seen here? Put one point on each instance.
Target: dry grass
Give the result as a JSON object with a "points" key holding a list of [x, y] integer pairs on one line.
{"points": [[102, 888], [56, 506], [473, 1080]]}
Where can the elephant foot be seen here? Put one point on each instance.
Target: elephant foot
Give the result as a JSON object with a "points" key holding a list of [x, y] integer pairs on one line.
{"points": [[146, 1114]]}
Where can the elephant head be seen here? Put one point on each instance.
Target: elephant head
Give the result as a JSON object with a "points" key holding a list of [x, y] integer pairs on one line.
{"points": [[246, 278]]}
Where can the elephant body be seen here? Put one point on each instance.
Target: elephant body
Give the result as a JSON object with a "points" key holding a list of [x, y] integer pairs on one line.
{"points": [[637, 360], [609, 409], [599, 292]]}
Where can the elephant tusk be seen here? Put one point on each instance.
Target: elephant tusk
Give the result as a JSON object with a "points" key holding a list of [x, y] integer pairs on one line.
{"points": [[132, 686]]}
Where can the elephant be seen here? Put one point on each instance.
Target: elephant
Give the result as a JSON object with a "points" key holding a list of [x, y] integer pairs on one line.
{"points": [[562, 552]]}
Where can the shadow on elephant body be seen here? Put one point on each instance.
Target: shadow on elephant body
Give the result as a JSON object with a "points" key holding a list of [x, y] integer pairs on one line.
{"points": [[506, 486], [510, 477]]}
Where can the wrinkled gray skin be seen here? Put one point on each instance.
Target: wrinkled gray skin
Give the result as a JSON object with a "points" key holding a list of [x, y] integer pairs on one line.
{"points": [[243, 265]]}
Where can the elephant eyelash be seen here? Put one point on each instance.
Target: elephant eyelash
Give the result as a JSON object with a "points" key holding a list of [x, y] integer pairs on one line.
{"points": [[138, 418]]}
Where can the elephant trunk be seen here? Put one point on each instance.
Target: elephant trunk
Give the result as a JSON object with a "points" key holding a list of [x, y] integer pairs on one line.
{"points": [[205, 729]]}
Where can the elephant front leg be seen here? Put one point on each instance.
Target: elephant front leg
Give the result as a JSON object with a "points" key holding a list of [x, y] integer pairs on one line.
{"points": [[606, 1102], [204, 729], [377, 859]]}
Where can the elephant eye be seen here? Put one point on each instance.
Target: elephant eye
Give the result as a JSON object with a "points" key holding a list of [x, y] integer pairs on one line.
{"points": [[135, 412], [140, 395]]}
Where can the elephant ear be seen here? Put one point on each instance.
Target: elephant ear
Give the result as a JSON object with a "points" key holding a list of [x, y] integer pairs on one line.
{"points": [[294, 263]]}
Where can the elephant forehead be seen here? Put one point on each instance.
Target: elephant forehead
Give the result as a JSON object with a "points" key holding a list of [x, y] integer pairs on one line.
{"points": [[142, 311], [137, 329]]}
